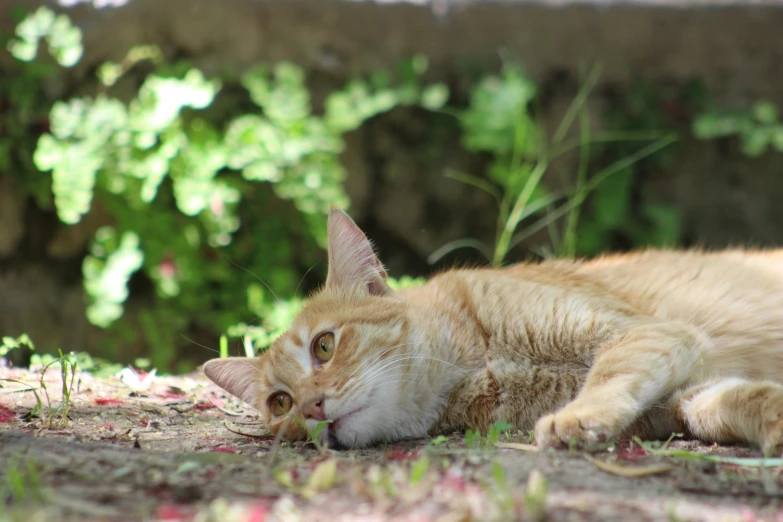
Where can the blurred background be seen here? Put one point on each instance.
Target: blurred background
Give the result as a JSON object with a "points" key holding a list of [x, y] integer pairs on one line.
{"points": [[166, 167]]}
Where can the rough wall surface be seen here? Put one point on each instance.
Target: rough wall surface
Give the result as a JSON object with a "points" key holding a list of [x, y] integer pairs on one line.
{"points": [[398, 189]]}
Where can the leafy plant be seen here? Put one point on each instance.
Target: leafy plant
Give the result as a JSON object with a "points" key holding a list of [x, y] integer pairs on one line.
{"points": [[758, 129], [313, 433], [11, 343], [474, 439], [195, 201], [64, 41], [499, 121], [617, 215], [54, 414], [496, 430], [186, 195]]}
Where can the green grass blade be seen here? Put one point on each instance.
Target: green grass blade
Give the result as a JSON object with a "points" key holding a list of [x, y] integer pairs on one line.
{"points": [[223, 347]]}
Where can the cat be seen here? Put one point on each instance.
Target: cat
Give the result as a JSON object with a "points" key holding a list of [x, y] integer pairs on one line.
{"points": [[648, 343]]}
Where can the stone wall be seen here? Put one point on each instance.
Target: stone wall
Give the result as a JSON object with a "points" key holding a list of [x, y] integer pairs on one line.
{"points": [[396, 179]]}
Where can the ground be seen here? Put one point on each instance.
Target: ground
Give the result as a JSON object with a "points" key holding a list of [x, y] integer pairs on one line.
{"points": [[179, 448]]}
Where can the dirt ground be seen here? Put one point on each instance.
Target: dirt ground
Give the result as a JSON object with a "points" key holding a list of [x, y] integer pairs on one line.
{"points": [[179, 448]]}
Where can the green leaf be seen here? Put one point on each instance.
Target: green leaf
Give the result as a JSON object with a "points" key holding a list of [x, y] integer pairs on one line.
{"points": [[756, 141], [107, 271], [711, 126], [765, 112], [419, 469], [64, 40], [434, 97], [498, 114]]}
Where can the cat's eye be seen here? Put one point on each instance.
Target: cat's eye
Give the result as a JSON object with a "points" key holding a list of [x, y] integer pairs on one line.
{"points": [[280, 404], [323, 347]]}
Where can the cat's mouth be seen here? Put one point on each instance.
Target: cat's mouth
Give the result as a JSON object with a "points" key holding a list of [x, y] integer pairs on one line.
{"points": [[336, 424]]}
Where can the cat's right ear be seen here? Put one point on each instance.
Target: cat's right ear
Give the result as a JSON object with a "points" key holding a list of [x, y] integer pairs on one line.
{"points": [[353, 266], [237, 375]]}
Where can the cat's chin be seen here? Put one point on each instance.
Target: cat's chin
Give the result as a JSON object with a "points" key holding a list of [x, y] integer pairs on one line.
{"points": [[345, 432]]}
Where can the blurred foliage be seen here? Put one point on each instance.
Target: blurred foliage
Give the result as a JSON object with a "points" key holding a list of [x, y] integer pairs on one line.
{"points": [[195, 202], [23, 105], [617, 215], [758, 129], [63, 40], [500, 121], [187, 196]]}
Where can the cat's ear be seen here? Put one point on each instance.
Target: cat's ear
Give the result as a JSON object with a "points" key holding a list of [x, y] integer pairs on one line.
{"points": [[353, 266], [237, 375]]}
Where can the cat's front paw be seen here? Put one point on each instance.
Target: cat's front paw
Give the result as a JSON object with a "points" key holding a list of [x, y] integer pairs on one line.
{"points": [[572, 426]]}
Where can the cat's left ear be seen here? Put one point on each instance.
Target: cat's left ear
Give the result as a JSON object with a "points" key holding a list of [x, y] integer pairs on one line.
{"points": [[237, 375], [353, 266]]}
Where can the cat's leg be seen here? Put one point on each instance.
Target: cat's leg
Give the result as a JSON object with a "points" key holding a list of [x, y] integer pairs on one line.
{"points": [[638, 369], [734, 410]]}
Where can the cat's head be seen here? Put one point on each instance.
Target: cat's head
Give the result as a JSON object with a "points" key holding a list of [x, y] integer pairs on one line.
{"points": [[343, 359]]}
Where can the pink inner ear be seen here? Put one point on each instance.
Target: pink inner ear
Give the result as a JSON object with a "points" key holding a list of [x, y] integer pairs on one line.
{"points": [[352, 262], [237, 375]]}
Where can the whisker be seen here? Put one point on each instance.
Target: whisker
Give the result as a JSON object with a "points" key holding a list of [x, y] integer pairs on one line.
{"points": [[368, 366], [199, 344], [402, 359], [305, 275], [254, 275], [425, 357], [381, 368], [375, 359]]}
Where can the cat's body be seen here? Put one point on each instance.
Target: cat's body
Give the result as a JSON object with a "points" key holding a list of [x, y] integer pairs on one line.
{"points": [[646, 343]]}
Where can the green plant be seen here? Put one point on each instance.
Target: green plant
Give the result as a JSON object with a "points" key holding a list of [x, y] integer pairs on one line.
{"points": [[758, 129], [499, 121], [51, 415], [496, 430], [474, 439], [419, 470], [187, 195], [313, 433], [437, 441], [54, 414], [24, 106], [617, 215], [11, 343]]}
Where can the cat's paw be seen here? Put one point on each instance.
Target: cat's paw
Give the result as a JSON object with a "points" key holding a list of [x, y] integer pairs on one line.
{"points": [[572, 426], [772, 426]]}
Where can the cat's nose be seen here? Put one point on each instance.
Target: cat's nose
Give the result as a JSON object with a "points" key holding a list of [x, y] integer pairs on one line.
{"points": [[314, 410]]}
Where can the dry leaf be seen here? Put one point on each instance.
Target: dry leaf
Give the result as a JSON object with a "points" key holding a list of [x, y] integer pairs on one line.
{"points": [[284, 477], [516, 446], [630, 471]]}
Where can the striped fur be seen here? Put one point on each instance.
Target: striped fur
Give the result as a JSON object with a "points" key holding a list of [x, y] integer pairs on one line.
{"points": [[644, 343]]}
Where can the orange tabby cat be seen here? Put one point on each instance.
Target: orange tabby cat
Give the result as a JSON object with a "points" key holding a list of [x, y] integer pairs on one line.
{"points": [[648, 343]]}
